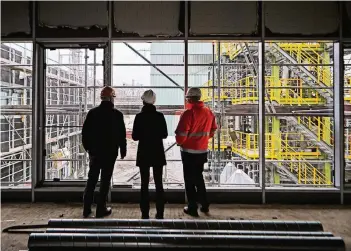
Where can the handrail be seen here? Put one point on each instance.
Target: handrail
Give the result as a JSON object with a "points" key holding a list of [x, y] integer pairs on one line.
{"points": [[246, 143]]}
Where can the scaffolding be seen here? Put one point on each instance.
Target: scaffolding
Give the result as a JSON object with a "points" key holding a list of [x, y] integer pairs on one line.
{"points": [[298, 79], [67, 79]]}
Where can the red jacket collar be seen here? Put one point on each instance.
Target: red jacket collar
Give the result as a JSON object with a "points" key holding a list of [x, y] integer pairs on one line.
{"points": [[198, 104]]}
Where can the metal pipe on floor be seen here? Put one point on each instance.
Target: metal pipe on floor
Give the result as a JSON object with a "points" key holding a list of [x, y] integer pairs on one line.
{"points": [[191, 224], [183, 232], [69, 241]]}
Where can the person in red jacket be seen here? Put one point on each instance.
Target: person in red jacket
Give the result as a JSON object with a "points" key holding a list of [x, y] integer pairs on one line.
{"points": [[196, 126]]}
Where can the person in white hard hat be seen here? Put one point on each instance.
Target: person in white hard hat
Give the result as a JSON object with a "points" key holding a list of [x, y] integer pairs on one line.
{"points": [[150, 129], [196, 126]]}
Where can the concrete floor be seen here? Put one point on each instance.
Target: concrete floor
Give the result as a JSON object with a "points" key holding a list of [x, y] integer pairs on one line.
{"points": [[335, 219]]}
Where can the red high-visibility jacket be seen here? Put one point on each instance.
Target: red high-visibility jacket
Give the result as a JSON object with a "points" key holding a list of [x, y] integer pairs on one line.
{"points": [[196, 126]]}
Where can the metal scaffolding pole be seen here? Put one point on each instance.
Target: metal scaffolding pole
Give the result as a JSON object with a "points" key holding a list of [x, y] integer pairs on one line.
{"points": [[94, 76], [85, 104]]}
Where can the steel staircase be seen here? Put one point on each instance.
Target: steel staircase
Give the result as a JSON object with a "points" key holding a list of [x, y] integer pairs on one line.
{"points": [[308, 134], [300, 70]]}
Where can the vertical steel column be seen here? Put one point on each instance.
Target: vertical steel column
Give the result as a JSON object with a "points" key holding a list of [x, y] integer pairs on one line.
{"points": [[219, 107], [261, 107], [94, 76], [186, 35], [338, 118], [34, 105], [108, 64], [213, 107], [85, 103], [186, 70]]}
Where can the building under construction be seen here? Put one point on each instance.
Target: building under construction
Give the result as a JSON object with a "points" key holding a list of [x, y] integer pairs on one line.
{"points": [[279, 87], [298, 101]]}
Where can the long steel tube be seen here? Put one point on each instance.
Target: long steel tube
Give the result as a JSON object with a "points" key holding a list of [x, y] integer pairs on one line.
{"points": [[191, 224], [182, 231], [69, 241]]}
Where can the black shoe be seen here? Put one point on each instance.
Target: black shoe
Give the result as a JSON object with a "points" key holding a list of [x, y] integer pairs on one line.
{"points": [[205, 210], [100, 213], [145, 217], [159, 216], [86, 213], [190, 212]]}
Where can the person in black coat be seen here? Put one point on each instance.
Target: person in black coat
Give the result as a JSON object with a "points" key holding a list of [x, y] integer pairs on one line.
{"points": [[103, 134], [150, 129]]}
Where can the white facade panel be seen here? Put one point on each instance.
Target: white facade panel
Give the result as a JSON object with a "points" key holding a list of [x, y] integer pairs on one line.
{"points": [[172, 48]]}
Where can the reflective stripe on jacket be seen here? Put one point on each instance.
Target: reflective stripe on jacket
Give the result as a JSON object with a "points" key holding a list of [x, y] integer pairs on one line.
{"points": [[196, 126]]}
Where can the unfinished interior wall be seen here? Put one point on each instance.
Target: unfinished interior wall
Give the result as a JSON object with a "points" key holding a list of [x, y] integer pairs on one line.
{"points": [[347, 24], [216, 17], [159, 18], [15, 17], [299, 17], [73, 14]]}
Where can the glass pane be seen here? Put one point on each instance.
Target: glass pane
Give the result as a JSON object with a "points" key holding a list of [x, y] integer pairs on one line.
{"points": [[231, 91], [299, 115], [16, 114], [347, 109], [72, 89]]}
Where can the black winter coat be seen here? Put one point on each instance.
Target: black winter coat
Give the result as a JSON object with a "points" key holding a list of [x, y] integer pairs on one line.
{"points": [[150, 129], [104, 131]]}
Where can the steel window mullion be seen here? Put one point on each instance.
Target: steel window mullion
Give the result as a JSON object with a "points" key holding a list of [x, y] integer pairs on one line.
{"points": [[261, 105]]}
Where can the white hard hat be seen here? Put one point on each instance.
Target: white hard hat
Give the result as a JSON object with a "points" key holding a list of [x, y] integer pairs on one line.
{"points": [[193, 92], [149, 97]]}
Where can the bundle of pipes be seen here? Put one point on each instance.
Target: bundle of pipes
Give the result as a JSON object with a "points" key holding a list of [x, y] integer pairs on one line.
{"points": [[110, 234]]}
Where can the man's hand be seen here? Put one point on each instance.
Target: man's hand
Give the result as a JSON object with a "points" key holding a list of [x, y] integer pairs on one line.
{"points": [[123, 155]]}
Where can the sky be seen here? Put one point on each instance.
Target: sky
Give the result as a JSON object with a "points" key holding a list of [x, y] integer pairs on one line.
{"points": [[121, 54]]}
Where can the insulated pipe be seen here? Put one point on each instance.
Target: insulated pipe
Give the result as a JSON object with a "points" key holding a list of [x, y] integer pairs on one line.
{"points": [[191, 224], [182, 232], [69, 241]]}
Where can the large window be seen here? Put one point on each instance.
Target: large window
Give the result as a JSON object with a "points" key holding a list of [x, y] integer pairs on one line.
{"points": [[74, 78], [16, 114], [137, 67], [298, 106], [226, 73], [299, 113], [298, 103], [347, 109]]}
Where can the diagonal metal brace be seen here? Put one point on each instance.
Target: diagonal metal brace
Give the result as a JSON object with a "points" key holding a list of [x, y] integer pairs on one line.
{"points": [[153, 65]]}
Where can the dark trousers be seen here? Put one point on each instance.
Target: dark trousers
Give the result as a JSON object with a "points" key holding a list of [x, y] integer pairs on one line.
{"points": [[193, 166], [144, 191], [106, 165]]}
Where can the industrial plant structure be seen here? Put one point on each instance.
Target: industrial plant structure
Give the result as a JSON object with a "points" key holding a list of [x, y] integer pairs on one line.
{"points": [[298, 106]]}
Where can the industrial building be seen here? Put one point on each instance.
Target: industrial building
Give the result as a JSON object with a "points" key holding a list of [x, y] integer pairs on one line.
{"points": [[276, 75]]}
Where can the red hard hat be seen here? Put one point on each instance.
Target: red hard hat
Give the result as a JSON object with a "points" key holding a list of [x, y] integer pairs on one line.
{"points": [[107, 92]]}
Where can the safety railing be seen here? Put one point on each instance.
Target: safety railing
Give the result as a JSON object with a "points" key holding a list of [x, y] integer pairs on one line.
{"points": [[283, 91], [322, 129], [310, 53], [245, 144], [231, 49], [306, 172], [278, 148], [207, 93]]}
